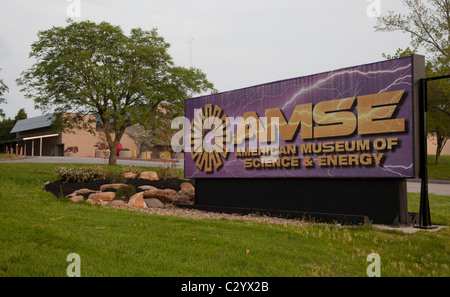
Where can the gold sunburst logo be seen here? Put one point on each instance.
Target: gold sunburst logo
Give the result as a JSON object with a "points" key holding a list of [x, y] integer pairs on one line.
{"points": [[209, 137]]}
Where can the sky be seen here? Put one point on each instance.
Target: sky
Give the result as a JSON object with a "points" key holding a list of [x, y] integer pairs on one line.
{"points": [[237, 43]]}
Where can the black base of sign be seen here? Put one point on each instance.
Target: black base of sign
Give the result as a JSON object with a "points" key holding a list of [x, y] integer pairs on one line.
{"points": [[382, 201]]}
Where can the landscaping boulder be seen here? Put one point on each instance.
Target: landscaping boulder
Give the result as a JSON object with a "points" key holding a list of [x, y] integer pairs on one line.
{"points": [[154, 203], [165, 196], [83, 191], [189, 192], [116, 203], [182, 199], [130, 175], [103, 196], [186, 185], [137, 201], [149, 175], [145, 188], [91, 201], [187, 189], [111, 186], [76, 199], [104, 203]]}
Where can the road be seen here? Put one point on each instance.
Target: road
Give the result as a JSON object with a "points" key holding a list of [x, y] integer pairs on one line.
{"points": [[76, 160], [413, 186], [433, 188]]}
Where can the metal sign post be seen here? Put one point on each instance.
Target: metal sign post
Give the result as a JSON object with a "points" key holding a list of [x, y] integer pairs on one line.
{"points": [[424, 209]]}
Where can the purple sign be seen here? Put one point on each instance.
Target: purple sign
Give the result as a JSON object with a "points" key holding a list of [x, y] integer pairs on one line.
{"points": [[355, 122]]}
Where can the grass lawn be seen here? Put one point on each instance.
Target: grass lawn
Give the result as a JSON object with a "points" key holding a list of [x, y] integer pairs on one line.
{"points": [[38, 232], [441, 171]]}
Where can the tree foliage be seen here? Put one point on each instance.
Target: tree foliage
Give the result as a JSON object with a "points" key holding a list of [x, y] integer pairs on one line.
{"points": [[438, 115], [429, 26], [143, 138], [7, 124], [155, 135], [88, 68]]}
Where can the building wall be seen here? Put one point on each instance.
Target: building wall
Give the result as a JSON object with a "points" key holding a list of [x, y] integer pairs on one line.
{"points": [[86, 141], [432, 147]]}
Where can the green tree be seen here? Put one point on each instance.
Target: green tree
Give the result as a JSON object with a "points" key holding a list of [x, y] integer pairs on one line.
{"points": [[438, 115], [144, 138], [88, 68], [429, 27], [3, 89], [21, 115], [6, 125]]}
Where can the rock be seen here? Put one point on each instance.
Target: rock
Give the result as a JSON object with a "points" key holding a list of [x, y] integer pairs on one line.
{"points": [[104, 196], [145, 188], [76, 199], [189, 192], [186, 185], [137, 201], [111, 186], [116, 203], [129, 175], [149, 175], [71, 195], [104, 203], [84, 191], [182, 199], [90, 201], [165, 196], [154, 203], [169, 206]]}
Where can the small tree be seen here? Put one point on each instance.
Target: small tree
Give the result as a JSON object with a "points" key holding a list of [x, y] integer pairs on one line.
{"points": [[143, 138], [95, 69], [71, 149]]}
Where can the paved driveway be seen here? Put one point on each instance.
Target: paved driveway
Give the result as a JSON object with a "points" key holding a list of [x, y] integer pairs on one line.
{"points": [[76, 160], [433, 188]]}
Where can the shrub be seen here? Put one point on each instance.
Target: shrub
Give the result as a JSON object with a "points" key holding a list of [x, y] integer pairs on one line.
{"points": [[168, 172], [125, 192], [71, 174], [72, 149], [115, 177]]}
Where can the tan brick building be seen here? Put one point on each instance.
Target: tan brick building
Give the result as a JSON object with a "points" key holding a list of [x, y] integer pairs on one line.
{"points": [[36, 137]]}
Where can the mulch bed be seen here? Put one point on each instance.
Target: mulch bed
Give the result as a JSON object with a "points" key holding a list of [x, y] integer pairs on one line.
{"points": [[59, 188]]}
